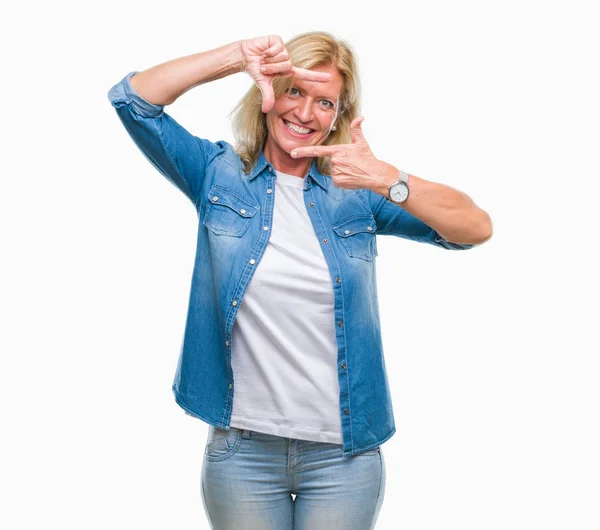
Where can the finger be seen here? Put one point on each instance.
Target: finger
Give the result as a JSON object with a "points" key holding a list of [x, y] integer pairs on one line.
{"points": [[356, 122], [310, 75], [315, 150], [268, 96], [279, 58], [279, 68], [356, 130], [276, 46]]}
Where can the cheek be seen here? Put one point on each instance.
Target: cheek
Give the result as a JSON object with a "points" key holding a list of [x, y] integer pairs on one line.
{"points": [[326, 125], [273, 119], [281, 106]]}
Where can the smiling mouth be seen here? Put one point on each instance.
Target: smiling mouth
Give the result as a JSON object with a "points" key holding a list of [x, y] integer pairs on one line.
{"points": [[296, 130]]}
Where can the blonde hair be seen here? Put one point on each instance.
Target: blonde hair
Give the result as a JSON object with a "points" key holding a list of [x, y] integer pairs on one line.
{"points": [[308, 50]]}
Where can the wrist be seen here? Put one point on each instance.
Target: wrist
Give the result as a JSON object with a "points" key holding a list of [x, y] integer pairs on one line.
{"points": [[389, 175], [239, 62]]}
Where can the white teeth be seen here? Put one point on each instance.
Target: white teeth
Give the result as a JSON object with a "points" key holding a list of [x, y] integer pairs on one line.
{"points": [[295, 128]]}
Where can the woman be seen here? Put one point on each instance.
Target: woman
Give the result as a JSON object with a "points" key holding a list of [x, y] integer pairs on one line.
{"points": [[282, 353]]}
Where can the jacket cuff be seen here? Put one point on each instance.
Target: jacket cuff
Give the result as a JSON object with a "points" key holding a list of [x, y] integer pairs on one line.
{"points": [[123, 91], [451, 246]]}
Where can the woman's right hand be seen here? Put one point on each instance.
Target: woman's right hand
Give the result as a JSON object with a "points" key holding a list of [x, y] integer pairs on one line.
{"points": [[266, 58]]}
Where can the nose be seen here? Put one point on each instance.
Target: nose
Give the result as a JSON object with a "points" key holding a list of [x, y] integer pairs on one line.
{"points": [[304, 110]]}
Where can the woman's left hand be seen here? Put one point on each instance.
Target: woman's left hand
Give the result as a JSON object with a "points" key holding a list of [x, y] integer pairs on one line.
{"points": [[353, 166]]}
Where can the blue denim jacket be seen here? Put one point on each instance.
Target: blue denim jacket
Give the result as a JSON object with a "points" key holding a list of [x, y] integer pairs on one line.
{"points": [[235, 215]]}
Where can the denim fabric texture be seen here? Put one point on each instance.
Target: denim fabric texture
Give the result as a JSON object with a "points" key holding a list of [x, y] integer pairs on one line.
{"points": [[235, 213], [331, 491]]}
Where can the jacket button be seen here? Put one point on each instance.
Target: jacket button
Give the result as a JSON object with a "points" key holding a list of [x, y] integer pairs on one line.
{"points": [[242, 211], [252, 261], [215, 198], [346, 231], [338, 280], [234, 302], [343, 366], [265, 228], [346, 411], [226, 343], [312, 204], [325, 240], [340, 323], [269, 191], [230, 385]]}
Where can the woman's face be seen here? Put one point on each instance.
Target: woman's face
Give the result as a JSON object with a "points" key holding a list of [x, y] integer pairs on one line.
{"points": [[306, 105]]}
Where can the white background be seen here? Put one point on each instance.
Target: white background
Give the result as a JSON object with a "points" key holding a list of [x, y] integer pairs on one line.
{"points": [[492, 354]]}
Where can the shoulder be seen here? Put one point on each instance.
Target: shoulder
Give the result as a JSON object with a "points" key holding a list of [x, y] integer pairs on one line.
{"points": [[223, 151]]}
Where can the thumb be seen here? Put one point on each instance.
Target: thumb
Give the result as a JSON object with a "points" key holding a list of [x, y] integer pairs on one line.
{"points": [[356, 130]]}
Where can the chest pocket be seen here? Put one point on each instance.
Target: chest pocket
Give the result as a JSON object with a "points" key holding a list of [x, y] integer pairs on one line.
{"points": [[228, 213], [357, 235]]}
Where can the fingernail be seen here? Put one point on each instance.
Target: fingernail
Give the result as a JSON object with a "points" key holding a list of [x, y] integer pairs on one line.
{"points": [[293, 153], [263, 68]]}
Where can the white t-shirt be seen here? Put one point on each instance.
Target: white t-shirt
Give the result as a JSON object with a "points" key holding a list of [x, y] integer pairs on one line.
{"points": [[284, 352]]}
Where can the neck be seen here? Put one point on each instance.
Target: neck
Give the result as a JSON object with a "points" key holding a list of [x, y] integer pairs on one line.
{"points": [[282, 161]]}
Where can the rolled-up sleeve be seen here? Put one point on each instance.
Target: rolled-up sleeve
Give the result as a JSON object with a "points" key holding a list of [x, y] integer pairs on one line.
{"points": [[393, 220], [180, 156]]}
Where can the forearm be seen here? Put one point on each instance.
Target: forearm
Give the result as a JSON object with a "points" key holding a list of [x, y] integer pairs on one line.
{"points": [[450, 212], [164, 83]]}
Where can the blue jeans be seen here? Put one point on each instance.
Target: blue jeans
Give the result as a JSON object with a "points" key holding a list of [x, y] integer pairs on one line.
{"points": [[248, 478]]}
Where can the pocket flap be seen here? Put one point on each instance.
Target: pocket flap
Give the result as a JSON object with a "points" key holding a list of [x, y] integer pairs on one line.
{"points": [[229, 198], [363, 223]]}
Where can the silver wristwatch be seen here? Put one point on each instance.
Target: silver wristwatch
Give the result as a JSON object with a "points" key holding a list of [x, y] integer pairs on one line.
{"points": [[398, 191]]}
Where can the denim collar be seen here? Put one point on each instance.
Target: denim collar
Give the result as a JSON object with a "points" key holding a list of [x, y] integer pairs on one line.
{"points": [[317, 176]]}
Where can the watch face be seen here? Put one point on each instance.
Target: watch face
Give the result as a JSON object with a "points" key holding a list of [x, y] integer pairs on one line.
{"points": [[399, 192]]}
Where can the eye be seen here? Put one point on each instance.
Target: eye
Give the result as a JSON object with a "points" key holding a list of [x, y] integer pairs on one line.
{"points": [[290, 91], [328, 103]]}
